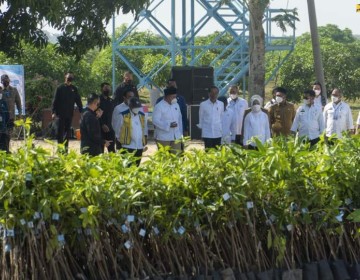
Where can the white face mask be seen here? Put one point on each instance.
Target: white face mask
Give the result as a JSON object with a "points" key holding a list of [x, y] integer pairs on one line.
{"points": [[306, 101], [256, 108], [174, 101], [136, 110], [233, 96], [279, 99], [317, 92], [334, 99]]}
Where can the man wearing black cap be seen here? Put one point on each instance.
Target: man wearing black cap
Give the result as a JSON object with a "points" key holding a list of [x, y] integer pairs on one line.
{"points": [[12, 97], [125, 86], [167, 120], [66, 96], [132, 129]]}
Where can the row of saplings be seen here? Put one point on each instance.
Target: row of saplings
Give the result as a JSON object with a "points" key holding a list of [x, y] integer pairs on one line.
{"points": [[282, 212]]}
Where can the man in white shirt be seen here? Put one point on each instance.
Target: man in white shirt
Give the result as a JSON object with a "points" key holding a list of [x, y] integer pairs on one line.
{"points": [[210, 113], [256, 123], [167, 120], [238, 105], [337, 116], [132, 132], [227, 122], [309, 121]]}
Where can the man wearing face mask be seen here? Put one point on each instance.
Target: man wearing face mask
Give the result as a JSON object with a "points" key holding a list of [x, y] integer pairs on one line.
{"points": [[256, 123], [337, 116], [281, 114], [167, 120], [106, 105], [309, 121], [132, 129], [319, 100], [66, 95], [91, 140], [238, 105], [125, 86], [11, 96], [210, 114]]}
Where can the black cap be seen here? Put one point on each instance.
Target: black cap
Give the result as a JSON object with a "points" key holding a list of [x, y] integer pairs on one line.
{"points": [[169, 90], [4, 77], [134, 102]]}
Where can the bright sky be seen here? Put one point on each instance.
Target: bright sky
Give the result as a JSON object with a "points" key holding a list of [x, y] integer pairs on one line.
{"points": [[341, 13]]}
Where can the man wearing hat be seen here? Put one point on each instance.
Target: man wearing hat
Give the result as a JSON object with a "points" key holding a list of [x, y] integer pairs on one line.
{"points": [[167, 120], [131, 131], [12, 97], [281, 114]]}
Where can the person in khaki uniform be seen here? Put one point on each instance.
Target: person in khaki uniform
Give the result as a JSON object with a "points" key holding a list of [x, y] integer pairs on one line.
{"points": [[281, 114]]}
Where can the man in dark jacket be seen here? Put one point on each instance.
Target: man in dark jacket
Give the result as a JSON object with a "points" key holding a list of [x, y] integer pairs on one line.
{"points": [[66, 96], [125, 86], [107, 106], [91, 140]]}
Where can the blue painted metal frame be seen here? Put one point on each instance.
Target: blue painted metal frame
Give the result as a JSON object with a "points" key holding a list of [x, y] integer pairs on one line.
{"points": [[232, 62]]}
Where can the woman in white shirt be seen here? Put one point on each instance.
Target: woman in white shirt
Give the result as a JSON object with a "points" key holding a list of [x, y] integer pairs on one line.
{"points": [[256, 124]]}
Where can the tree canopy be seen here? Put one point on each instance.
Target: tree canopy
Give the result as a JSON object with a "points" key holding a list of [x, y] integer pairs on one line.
{"points": [[82, 23]]}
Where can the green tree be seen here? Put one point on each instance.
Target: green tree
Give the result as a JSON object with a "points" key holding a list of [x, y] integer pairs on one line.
{"points": [[341, 61], [82, 23]]}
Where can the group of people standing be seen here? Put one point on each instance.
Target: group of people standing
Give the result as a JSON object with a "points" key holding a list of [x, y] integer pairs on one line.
{"points": [[231, 120]]}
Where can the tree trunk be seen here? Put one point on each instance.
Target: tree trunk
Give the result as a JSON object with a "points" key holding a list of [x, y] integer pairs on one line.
{"points": [[257, 47]]}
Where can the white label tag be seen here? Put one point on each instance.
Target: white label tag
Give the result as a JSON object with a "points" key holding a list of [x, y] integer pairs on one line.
{"points": [[36, 215], [249, 204], [30, 224], [55, 216], [22, 222], [289, 227], [142, 232], [226, 196], [130, 218], [156, 230], [181, 230], [128, 244]]}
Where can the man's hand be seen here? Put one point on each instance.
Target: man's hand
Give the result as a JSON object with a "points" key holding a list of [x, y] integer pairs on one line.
{"points": [[105, 128], [107, 143], [53, 116], [99, 113]]}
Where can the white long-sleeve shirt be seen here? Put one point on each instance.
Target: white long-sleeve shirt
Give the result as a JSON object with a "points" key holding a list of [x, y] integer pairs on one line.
{"points": [[239, 106], [256, 124], [115, 120], [309, 121], [137, 132], [337, 118], [210, 118], [163, 115], [227, 125]]}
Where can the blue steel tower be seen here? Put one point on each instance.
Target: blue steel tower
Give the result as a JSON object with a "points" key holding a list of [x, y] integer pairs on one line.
{"points": [[231, 62]]}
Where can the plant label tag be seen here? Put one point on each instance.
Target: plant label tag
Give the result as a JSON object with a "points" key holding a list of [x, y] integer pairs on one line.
{"points": [[340, 217], [289, 227], [36, 215], [30, 224], [304, 210], [22, 222], [61, 239], [9, 233], [55, 216], [226, 196], [7, 248], [124, 228], [28, 176], [181, 230], [128, 244], [142, 232], [348, 201], [199, 201], [83, 210], [156, 230], [249, 204], [130, 218]]}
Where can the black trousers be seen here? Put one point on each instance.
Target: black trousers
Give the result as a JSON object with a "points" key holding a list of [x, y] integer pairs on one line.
{"points": [[64, 131], [239, 139], [4, 142], [137, 154], [212, 142], [109, 136]]}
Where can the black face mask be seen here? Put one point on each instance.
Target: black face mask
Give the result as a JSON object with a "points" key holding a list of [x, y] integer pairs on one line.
{"points": [[5, 83], [70, 79], [106, 92]]}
